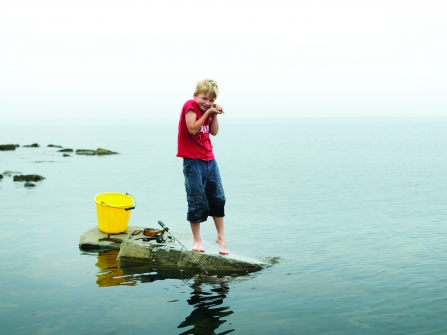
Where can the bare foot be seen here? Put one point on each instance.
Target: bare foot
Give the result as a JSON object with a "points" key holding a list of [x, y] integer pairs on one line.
{"points": [[197, 246], [222, 246]]}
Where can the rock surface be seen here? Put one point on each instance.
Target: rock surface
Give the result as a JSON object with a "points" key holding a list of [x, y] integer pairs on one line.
{"points": [[169, 253], [101, 151], [85, 152], [34, 145], [28, 177], [65, 150], [4, 147], [54, 146]]}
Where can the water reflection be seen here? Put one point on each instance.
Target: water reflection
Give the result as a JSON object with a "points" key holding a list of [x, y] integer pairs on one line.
{"points": [[206, 318], [110, 273], [207, 295]]}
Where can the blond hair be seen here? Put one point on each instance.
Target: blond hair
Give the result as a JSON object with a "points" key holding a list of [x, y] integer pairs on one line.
{"points": [[207, 86]]}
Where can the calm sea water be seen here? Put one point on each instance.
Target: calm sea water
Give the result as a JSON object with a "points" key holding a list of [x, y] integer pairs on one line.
{"points": [[352, 211]]}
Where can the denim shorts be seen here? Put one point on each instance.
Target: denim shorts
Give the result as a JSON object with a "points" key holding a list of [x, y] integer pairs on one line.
{"points": [[204, 190]]}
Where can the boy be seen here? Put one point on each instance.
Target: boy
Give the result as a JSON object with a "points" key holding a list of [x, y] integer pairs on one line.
{"points": [[203, 185]]}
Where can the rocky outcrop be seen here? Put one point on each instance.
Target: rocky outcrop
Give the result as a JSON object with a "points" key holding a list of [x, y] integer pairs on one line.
{"points": [[101, 151], [85, 152], [28, 178], [169, 253], [4, 147]]}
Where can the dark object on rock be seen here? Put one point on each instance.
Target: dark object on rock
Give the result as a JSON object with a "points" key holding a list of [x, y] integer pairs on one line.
{"points": [[111, 239], [65, 150], [101, 151], [30, 185], [10, 173], [54, 146], [4, 147], [34, 145], [66, 155], [28, 177], [85, 152]]}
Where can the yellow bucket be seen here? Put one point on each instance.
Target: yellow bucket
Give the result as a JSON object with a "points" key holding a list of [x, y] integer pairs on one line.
{"points": [[113, 210]]}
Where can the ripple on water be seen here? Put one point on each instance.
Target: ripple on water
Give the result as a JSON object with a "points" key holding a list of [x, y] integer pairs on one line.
{"points": [[52, 327]]}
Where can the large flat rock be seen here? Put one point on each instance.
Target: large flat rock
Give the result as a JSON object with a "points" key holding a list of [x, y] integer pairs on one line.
{"points": [[170, 253]]}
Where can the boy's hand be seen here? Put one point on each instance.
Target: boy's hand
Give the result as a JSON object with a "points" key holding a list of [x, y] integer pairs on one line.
{"points": [[218, 108], [213, 111]]}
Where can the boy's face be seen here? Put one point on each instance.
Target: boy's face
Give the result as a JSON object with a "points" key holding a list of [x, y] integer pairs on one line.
{"points": [[205, 101]]}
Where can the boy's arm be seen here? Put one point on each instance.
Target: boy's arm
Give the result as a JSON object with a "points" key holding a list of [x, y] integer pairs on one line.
{"points": [[214, 125], [194, 125]]}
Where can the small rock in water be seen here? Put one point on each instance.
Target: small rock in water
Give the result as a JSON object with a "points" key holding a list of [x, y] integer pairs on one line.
{"points": [[4, 147], [28, 177], [65, 150], [1, 176], [54, 146], [10, 173], [34, 145], [30, 185], [85, 152], [101, 151], [66, 155]]}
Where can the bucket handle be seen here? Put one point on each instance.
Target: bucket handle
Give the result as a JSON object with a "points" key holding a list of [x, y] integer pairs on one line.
{"points": [[126, 209], [134, 203]]}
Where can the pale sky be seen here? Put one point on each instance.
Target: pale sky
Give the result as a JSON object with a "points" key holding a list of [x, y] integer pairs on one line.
{"points": [[142, 59]]}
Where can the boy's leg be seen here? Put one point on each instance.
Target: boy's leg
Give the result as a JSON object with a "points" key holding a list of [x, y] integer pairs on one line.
{"points": [[216, 200], [219, 223], [197, 202], [195, 228]]}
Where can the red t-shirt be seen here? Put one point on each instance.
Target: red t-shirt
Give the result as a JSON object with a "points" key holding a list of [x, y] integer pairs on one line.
{"points": [[197, 146]]}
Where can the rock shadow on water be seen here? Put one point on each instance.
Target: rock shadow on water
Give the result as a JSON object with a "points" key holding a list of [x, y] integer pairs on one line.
{"points": [[207, 296]]}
